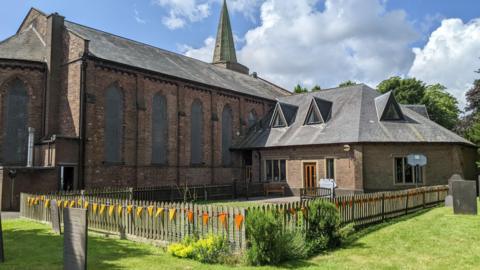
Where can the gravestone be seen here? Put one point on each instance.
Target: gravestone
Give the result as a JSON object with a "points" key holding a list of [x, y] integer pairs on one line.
{"points": [[75, 239], [464, 197], [55, 217], [449, 197]]}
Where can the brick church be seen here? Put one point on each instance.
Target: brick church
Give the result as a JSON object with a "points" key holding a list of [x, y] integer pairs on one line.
{"points": [[82, 108]]}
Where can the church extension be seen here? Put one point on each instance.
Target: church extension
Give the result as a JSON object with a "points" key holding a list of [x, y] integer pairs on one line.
{"points": [[82, 108]]}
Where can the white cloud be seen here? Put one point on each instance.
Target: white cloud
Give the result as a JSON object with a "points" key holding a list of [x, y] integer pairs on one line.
{"points": [[204, 53], [183, 11], [296, 42], [246, 7], [137, 17], [450, 56]]}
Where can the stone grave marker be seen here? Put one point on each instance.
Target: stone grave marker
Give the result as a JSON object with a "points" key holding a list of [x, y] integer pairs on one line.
{"points": [[449, 197], [464, 197], [75, 239], [55, 217]]}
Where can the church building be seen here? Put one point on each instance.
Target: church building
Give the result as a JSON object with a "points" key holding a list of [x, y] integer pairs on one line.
{"points": [[82, 108]]}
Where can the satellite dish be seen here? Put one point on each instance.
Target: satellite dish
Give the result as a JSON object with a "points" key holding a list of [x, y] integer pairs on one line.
{"points": [[417, 160]]}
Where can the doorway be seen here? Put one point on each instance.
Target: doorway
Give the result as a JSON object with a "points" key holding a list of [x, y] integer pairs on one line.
{"points": [[67, 178], [310, 175]]}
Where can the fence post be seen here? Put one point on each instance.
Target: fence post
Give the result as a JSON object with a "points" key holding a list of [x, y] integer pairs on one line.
{"points": [[424, 199], [353, 207], [383, 206], [205, 191], [130, 193], [406, 204]]}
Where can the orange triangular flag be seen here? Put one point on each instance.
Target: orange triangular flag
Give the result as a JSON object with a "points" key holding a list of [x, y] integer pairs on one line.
{"points": [[190, 216], [205, 218], [238, 221], [223, 219]]}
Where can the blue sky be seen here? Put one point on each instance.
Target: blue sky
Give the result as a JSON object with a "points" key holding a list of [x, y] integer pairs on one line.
{"points": [[294, 49]]}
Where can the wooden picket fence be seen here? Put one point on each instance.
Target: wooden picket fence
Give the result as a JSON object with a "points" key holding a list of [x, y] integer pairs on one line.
{"points": [[172, 222]]}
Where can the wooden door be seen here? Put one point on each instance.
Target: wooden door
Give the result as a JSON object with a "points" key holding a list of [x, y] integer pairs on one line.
{"points": [[309, 175]]}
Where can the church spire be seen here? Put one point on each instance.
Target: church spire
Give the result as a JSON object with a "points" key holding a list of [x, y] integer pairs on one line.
{"points": [[224, 54]]}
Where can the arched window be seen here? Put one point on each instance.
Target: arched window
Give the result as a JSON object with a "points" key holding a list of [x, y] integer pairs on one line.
{"points": [[252, 118], [16, 124], [227, 131], [159, 129], [113, 125], [196, 134]]}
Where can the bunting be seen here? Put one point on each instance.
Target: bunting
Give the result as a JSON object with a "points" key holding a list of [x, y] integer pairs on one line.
{"points": [[171, 213], [119, 210], [85, 205], [139, 210], [238, 221], [159, 212], [102, 209], [111, 210], [190, 216], [129, 209], [47, 203], [60, 203], [72, 204], [94, 208], [150, 211], [205, 218], [65, 204], [222, 217]]}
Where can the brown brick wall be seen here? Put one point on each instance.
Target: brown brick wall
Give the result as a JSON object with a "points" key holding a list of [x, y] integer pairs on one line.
{"points": [[34, 80], [443, 161]]}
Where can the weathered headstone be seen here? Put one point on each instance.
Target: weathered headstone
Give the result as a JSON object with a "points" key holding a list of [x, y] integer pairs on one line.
{"points": [[75, 239], [464, 197], [452, 178], [449, 201], [54, 213]]}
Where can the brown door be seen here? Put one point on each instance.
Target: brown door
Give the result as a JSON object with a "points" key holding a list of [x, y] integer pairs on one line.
{"points": [[309, 175]]}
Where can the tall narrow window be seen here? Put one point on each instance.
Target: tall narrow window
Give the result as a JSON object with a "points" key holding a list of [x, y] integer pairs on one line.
{"points": [[196, 134], [159, 129], [330, 164], [113, 125], [16, 124], [252, 118], [227, 135]]}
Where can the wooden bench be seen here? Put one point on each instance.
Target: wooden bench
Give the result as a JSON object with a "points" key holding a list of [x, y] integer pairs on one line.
{"points": [[274, 188]]}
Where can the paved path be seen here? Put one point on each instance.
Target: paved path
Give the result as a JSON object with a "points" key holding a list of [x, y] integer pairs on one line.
{"points": [[10, 215]]}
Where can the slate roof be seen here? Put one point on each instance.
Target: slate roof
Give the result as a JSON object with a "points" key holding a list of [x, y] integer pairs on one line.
{"points": [[353, 119], [26, 45], [125, 51]]}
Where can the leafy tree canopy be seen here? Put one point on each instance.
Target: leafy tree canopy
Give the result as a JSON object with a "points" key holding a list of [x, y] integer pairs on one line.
{"points": [[473, 98], [299, 89], [407, 91], [316, 88], [441, 106], [347, 83]]}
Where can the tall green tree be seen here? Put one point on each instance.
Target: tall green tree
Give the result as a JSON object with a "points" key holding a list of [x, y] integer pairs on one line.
{"points": [[441, 106], [347, 83], [473, 98], [407, 91], [299, 89], [316, 88]]}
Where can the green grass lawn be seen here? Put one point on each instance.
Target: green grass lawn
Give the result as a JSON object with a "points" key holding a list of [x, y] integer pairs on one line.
{"points": [[431, 240]]}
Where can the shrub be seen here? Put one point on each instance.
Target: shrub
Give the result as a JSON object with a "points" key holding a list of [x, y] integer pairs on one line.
{"points": [[268, 242], [211, 249], [323, 227]]}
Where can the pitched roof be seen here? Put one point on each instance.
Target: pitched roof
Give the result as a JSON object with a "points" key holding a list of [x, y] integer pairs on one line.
{"points": [[419, 108], [125, 51], [353, 119], [26, 45]]}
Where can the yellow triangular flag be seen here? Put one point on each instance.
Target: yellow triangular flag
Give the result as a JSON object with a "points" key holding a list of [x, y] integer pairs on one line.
{"points": [[119, 209], [47, 203], [150, 210], [72, 204], [59, 203], [65, 204], [171, 213], [159, 212], [94, 206], [139, 211], [129, 209], [85, 205], [102, 209], [111, 208]]}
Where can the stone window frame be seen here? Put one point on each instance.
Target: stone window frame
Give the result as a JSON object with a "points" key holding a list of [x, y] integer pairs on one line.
{"points": [[403, 183], [264, 165]]}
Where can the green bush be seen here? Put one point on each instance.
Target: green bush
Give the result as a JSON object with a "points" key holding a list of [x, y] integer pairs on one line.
{"points": [[211, 249], [268, 242], [324, 227]]}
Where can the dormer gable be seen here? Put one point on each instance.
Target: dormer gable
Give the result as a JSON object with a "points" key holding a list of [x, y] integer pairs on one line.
{"points": [[387, 108], [319, 111], [283, 115]]}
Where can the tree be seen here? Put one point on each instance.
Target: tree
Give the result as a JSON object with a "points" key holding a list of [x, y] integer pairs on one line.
{"points": [[316, 88], [299, 89], [473, 98], [407, 91], [347, 83], [442, 107]]}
